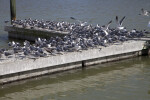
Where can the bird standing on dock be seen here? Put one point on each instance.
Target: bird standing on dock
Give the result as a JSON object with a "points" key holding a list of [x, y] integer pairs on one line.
{"points": [[38, 54], [26, 43], [2, 51], [8, 53], [11, 44]]}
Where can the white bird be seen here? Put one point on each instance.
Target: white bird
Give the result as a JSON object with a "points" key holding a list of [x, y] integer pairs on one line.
{"points": [[98, 25], [144, 12], [119, 23], [81, 22], [105, 41], [105, 27]]}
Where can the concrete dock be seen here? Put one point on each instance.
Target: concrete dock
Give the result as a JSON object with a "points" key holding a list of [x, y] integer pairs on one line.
{"points": [[19, 32], [18, 69]]}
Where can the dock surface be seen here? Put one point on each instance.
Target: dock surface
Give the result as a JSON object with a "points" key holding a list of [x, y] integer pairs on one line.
{"points": [[19, 32], [17, 69]]}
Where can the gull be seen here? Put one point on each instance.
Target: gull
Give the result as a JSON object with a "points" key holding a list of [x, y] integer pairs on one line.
{"points": [[8, 53], [144, 12], [105, 27], [81, 22], [2, 52], [25, 52], [119, 26], [38, 54], [12, 44], [26, 43], [98, 25], [38, 41]]}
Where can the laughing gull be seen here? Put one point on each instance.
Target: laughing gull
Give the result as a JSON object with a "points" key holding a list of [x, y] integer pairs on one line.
{"points": [[144, 12], [119, 23], [105, 27], [81, 22]]}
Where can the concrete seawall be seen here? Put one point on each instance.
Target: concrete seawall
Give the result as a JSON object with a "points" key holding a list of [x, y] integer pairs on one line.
{"points": [[12, 70], [31, 34]]}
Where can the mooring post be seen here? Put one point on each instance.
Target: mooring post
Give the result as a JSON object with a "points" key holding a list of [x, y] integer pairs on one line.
{"points": [[83, 64], [13, 10]]}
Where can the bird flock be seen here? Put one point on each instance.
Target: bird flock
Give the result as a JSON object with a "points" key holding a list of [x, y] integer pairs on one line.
{"points": [[81, 36]]}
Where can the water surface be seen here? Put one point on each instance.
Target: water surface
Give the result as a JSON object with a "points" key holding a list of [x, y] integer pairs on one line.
{"points": [[92, 11], [123, 80]]}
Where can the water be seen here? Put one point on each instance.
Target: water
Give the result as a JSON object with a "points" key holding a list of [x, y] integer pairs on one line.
{"points": [[125, 80], [92, 11]]}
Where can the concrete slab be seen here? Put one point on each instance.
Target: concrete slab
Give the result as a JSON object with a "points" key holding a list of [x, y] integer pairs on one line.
{"points": [[31, 34], [27, 68]]}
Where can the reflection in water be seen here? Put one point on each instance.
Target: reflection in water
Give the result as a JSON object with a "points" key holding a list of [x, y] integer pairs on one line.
{"points": [[107, 81]]}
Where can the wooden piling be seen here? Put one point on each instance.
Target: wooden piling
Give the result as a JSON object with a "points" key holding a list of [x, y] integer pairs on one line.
{"points": [[83, 64], [13, 10]]}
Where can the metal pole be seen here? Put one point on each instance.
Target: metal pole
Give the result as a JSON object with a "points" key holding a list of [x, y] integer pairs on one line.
{"points": [[13, 10]]}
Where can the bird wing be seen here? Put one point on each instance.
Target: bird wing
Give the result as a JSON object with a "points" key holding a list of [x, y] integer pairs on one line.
{"points": [[117, 20], [108, 24], [48, 50], [121, 21], [72, 18], [76, 20], [142, 11]]}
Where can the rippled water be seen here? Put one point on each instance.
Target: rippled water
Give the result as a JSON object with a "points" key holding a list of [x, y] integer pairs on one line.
{"points": [[92, 11], [125, 80]]}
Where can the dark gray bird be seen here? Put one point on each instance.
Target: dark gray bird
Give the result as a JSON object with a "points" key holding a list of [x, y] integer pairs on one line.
{"points": [[2, 50], [38, 54], [8, 53], [25, 52]]}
